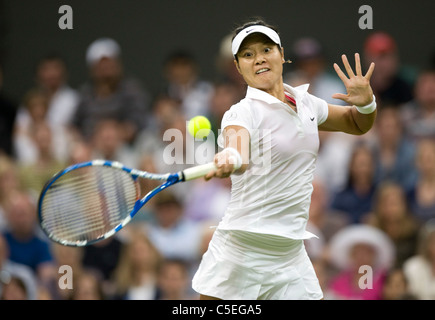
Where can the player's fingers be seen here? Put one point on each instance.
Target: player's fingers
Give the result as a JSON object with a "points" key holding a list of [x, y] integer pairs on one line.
{"points": [[340, 73], [347, 66], [358, 65], [370, 71], [340, 96], [222, 172], [210, 175]]}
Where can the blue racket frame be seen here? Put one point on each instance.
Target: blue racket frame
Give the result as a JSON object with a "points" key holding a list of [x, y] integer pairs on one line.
{"points": [[169, 178]]}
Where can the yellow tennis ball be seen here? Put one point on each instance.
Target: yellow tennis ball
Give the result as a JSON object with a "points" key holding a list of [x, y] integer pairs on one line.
{"points": [[199, 127]]}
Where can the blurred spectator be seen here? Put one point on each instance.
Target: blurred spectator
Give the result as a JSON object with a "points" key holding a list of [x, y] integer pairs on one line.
{"points": [[79, 151], [391, 215], [25, 245], [136, 275], [8, 112], [173, 235], [419, 269], [207, 200], [69, 256], [110, 94], [87, 286], [14, 289], [104, 256], [356, 198], [225, 68], [169, 118], [147, 164], [350, 249], [33, 176], [225, 94], [168, 132], [396, 286], [394, 155], [334, 154], [323, 222], [9, 182], [184, 84], [310, 67], [62, 100], [44, 293], [173, 280], [107, 143], [35, 103], [164, 108], [419, 114], [387, 83], [421, 197], [167, 144], [52, 77], [10, 269]]}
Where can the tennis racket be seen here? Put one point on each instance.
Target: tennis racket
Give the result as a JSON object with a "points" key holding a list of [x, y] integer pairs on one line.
{"points": [[91, 201]]}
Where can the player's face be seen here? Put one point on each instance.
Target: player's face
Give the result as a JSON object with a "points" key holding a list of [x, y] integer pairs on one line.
{"points": [[260, 62]]}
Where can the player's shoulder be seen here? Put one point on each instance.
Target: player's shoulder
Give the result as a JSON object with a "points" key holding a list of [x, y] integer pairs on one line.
{"points": [[239, 114], [242, 107]]}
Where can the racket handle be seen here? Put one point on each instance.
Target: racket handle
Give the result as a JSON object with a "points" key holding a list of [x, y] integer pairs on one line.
{"points": [[198, 171]]}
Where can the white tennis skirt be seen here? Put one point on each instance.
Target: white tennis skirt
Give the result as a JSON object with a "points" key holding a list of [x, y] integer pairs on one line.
{"points": [[240, 265]]}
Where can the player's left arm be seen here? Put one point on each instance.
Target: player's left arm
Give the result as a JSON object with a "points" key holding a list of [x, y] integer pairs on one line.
{"points": [[359, 95]]}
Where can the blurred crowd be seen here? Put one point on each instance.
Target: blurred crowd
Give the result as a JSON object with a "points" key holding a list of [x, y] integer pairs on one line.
{"points": [[373, 204]]}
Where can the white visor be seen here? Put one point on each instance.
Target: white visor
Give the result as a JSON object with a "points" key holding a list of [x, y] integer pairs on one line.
{"points": [[235, 46]]}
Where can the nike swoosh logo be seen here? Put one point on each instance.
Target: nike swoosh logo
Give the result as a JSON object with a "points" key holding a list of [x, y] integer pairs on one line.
{"points": [[312, 119], [247, 31]]}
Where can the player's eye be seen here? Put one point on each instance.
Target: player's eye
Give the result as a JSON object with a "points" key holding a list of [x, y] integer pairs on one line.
{"points": [[267, 49], [247, 54]]}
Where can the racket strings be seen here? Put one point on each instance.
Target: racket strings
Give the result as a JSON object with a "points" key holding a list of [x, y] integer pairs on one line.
{"points": [[86, 203]]}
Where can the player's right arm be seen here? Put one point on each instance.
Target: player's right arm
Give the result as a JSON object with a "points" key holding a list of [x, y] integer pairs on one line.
{"points": [[235, 138]]}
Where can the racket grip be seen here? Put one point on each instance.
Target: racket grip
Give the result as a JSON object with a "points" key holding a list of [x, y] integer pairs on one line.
{"points": [[198, 171]]}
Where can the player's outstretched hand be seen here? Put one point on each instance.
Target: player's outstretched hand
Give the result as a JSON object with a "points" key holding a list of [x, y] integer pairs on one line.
{"points": [[359, 92]]}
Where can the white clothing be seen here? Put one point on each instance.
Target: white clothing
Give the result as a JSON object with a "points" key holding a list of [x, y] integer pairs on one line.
{"points": [[24, 273], [420, 278], [145, 291], [60, 111], [59, 114], [241, 265], [273, 195], [257, 251], [62, 107], [333, 157], [25, 148]]}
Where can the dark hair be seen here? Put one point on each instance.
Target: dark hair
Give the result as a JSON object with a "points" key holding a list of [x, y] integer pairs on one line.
{"points": [[256, 21], [360, 146], [180, 56], [52, 56]]}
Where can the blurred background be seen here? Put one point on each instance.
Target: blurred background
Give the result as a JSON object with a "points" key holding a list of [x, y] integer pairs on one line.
{"points": [[130, 70], [149, 30]]}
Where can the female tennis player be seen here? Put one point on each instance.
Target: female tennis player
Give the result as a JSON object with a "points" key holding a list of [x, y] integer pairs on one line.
{"points": [[257, 251]]}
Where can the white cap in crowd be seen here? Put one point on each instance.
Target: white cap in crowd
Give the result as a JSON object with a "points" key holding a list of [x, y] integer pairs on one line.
{"points": [[100, 48]]}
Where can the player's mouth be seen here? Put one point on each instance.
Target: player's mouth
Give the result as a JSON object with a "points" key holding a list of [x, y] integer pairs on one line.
{"points": [[263, 70]]}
